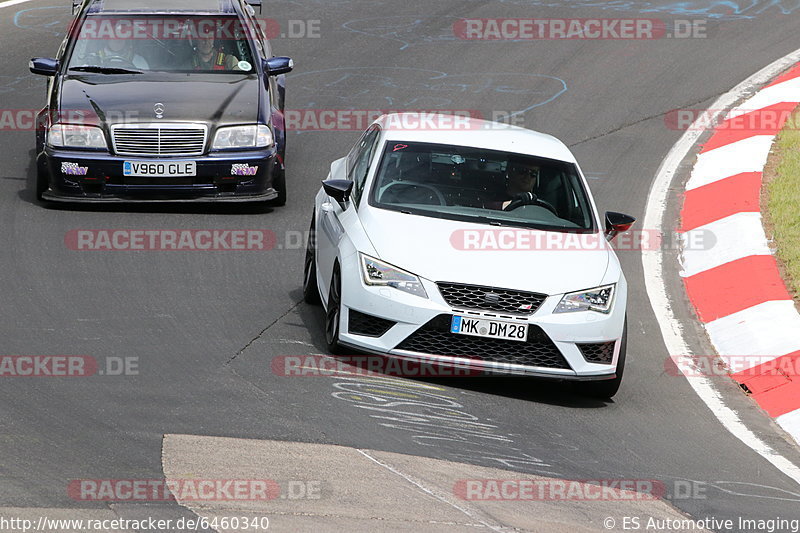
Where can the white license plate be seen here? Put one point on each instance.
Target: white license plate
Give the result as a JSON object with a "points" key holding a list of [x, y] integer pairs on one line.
{"points": [[160, 169], [491, 329]]}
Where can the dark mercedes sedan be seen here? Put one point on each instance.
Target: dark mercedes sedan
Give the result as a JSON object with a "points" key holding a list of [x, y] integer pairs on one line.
{"points": [[163, 101]]}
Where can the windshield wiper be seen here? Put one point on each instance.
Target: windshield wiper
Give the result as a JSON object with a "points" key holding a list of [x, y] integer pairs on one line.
{"points": [[104, 70], [473, 218]]}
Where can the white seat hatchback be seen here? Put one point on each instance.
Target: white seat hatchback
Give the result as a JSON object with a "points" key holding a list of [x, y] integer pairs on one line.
{"points": [[476, 245]]}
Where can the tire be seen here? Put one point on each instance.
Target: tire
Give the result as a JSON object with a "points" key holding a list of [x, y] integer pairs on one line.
{"points": [[605, 390], [333, 314], [41, 183], [279, 184], [41, 172], [310, 287]]}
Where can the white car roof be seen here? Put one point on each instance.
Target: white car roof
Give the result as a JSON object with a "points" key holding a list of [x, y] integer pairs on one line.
{"points": [[471, 132]]}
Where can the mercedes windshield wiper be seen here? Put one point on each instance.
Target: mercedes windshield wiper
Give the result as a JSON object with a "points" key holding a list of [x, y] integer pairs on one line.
{"points": [[104, 70]]}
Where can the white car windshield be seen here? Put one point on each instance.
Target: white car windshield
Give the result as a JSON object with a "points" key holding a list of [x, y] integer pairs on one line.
{"points": [[484, 186], [141, 43]]}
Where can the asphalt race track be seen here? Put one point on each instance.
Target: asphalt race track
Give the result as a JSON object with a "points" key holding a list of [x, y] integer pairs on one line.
{"points": [[203, 327]]}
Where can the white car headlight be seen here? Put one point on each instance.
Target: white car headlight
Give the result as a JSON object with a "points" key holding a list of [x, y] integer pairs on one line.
{"points": [[76, 136], [600, 299], [233, 137], [378, 273]]}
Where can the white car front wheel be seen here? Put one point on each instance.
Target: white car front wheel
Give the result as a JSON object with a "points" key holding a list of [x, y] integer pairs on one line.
{"points": [[310, 287], [333, 315]]}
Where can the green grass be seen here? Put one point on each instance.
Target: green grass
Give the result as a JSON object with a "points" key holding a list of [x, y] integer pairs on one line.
{"points": [[783, 201]]}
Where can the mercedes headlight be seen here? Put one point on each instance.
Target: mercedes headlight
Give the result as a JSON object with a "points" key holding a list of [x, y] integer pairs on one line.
{"points": [[377, 273], [76, 136], [233, 137], [600, 299]]}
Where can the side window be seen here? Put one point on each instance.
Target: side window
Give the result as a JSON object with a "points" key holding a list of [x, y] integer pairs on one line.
{"points": [[74, 27], [363, 153], [354, 153]]}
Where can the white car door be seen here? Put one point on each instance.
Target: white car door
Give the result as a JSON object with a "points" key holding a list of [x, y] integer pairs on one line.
{"points": [[330, 229]]}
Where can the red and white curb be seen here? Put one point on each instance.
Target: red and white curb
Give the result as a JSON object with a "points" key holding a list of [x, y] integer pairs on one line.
{"points": [[735, 285]]}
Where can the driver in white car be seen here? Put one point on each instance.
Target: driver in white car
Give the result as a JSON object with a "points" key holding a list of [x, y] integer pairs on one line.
{"points": [[521, 178]]}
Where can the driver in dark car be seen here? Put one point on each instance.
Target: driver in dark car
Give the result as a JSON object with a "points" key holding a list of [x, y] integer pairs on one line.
{"points": [[209, 56], [118, 52], [521, 178]]}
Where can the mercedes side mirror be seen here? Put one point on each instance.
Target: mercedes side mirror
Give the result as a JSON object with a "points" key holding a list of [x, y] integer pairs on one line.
{"points": [[44, 66], [276, 66]]}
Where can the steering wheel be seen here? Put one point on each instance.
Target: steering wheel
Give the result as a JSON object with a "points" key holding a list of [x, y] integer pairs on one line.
{"points": [[118, 62], [528, 198], [436, 192]]}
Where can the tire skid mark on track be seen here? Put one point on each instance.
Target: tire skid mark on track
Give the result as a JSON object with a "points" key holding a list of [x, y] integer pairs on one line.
{"points": [[786, 495], [408, 88], [652, 116], [49, 25], [433, 418], [13, 83], [405, 29], [718, 9], [433, 428]]}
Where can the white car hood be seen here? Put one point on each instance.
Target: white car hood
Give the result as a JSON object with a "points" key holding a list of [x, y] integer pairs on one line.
{"points": [[425, 247]]}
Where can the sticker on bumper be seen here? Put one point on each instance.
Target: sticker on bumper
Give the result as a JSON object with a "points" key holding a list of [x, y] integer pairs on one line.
{"points": [[73, 169], [243, 170]]}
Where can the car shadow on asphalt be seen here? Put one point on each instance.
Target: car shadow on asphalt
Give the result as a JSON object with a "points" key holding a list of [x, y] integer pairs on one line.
{"points": [[556, 393], [28, 195]]}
